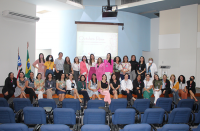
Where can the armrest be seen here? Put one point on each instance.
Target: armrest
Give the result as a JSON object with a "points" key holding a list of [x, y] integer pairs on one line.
{"points": [[153, 127], [151, 104], [166, 120], [174, 105], [18, 116], [138, 113], [35, 104], [11, 105], [48, 110], [192, 120], [195, 107], [37, 127]]}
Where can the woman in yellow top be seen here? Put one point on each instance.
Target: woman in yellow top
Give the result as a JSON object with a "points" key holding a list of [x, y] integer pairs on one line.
{"points": [[174, 85], [49, 65]]}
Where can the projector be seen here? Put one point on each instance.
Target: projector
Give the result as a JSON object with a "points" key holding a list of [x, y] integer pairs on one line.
{"points": [[109, 11]]}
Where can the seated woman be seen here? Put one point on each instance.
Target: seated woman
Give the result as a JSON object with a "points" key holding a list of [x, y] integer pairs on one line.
{"points": [[114, 86], [71, 87], [39, 86], [157, 86], [19, 90], [138, 86], [127, 87], [166, 90], [30, 87], [182, 87], [61, 87], [104, 89], [174, 85], [82, 90], [191, 88], [9, 87], [148, 85], [50, 86], [93, 88]]}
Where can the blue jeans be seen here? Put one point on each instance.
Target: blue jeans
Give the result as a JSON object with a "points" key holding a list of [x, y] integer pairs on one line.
{"points": [[175, 95], [48, 71]]}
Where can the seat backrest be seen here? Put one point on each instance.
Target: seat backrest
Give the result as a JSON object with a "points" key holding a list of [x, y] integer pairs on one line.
{"points": [[165, 103], [64, 116], [54, 127], [94, 116], [95, 104], [117, 104], [7, 115], [197, 117], [189, 103], [20, 103], [3, 102], [124, 116], [13, 127], [34, 115], [47, 103], [175, 127], [179, 116], [153, 116], [137, 127], [141, 104], [95, 127], [71, 103]]}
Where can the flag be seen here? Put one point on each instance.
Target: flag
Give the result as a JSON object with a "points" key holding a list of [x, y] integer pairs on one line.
{"points": [[19, 66], [28, 65]]}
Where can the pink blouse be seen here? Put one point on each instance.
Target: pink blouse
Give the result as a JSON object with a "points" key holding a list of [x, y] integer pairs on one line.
{"points": [[108, 66], [83, 67], [40, 65], [100, 69]]}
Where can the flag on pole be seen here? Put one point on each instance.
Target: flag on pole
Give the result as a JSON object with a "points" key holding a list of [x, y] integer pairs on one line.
{"points": [[28, 65], [19, 64]]}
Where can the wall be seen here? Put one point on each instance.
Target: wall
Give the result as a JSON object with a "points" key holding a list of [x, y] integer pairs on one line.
{"points": [[198, 51], [15, 34], [57, 30]]}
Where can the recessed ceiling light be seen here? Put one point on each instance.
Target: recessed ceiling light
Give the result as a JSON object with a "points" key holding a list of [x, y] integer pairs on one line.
{"points": [[43, 11]]}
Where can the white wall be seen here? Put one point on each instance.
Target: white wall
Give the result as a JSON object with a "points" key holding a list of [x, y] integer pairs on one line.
{"points": [[14, 34]]}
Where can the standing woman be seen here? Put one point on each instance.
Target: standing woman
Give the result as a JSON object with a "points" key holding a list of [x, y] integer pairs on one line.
{"points": [[138, 86], [84, 68], [92, 65], [116, 67], [104, 89], [148, 85], [76, 69], [191, 88], [67, 67], [61, 87], [58, 65], [108, 66], [19, 90], [182, 87], [174, 85], [9, 87], [49, 64], [151, 68], [114, 86], [141, 69], [39, 86], [125, 68], [134, 65], [166, 90], [82, 90], [40, 62], [50, 86], [93, 88], [100, 69], [30, 87], [157, 86]]}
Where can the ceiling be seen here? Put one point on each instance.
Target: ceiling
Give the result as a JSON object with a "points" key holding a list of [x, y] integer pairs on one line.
{"points": [[155, 7]]}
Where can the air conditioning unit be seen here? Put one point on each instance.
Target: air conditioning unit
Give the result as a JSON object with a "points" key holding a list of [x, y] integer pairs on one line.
{"points": [[19, 16]]}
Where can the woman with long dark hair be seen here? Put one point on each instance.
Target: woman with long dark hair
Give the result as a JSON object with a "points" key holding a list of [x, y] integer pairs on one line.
{"points": [[49, 65], [50, 86], [125, 68], [191, 88], [61, 87], [108, 66], [114, 86], [134, 65], [138, 86], [76, 69], [93, 87], [104, 89], [19, 90], [157, 86], [67, 67], [92, 65], [100, 69], [39, 86], [141, 69], [58, 64], [116, 66], [40, 62], [84, 67], [182, 87]]}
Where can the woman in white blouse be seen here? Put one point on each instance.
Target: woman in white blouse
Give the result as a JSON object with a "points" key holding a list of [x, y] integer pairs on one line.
{"points": [[148, 85], [127, 87], [72, 88], [151, 68], [125, 67], [76, 69]]}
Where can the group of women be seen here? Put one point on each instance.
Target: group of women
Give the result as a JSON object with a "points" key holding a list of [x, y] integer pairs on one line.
{"points": [[103, 77]]}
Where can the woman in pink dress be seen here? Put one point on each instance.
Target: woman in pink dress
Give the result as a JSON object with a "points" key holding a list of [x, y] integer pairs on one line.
{"points": [[104, 89], [92, 66], [84, 68], [100, 69], [40, 62]]}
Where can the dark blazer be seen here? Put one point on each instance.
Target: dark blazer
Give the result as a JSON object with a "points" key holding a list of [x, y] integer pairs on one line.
{"points": [[136, 84], [167, 85], [9, 85], [52, 83], [191, 86], [80, 85]]}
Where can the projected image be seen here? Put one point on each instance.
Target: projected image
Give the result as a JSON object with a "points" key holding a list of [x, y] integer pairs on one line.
{"points": [[98, 43]]}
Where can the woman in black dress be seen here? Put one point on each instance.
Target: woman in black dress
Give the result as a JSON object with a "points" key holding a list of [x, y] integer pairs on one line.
{"points": [[141, 69], [191, 88], [114, 86], [138, 86]]}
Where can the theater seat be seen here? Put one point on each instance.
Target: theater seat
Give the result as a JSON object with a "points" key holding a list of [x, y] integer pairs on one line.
{"points": [[197, 129], [47, 103], [94, 116], [3, 102], [165, 103], [137, 127], [95, 104], [54, 127], [14, 127], [94, 127], [188, 103], [117, 104], [6, 115], [20, 103], [174, 127]]}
